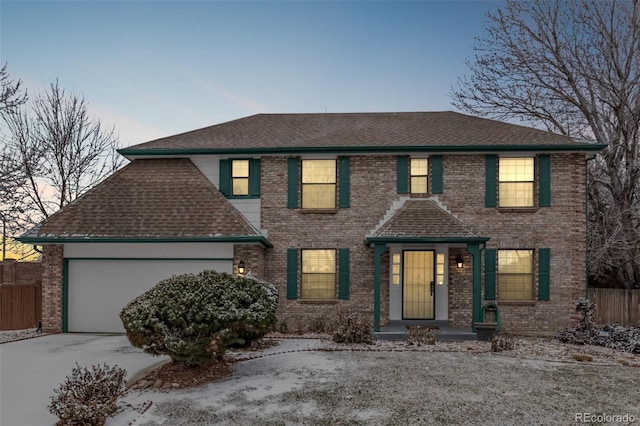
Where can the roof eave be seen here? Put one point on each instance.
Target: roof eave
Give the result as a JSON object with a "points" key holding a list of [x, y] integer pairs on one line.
{"points": [[425, 240], [243, 239], [153, 152]]}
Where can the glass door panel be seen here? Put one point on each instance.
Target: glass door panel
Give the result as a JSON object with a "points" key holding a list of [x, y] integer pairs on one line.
{"points": [[418, 285]]}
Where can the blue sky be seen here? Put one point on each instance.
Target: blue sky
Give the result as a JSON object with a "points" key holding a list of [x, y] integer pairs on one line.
{"points": [[157, 68]]}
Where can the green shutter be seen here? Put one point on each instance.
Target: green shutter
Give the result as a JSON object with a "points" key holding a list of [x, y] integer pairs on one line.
{"points": [[254, 177], [403, 174], [292, 274], [491, 181], [344, 182], [343, 274], [292, 182], [436, 174], [489, 274], [225, 177], [544, 259], [545, 180]]}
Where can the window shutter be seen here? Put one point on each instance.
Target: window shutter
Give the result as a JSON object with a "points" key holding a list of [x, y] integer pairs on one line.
{"points": [[403, 174], [292, 274], [292, 182], [343, 274], [491, 181], [436, 174], [345, 182], [544, 259], [225, 177], [545, 180], [490, 274], [254, 177]]}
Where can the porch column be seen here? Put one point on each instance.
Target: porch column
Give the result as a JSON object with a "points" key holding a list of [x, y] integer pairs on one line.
{"points": [[377, 257], [474, 249]]}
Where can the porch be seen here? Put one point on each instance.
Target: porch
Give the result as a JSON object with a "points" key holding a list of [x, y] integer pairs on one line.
{"points": [[397, 330]]}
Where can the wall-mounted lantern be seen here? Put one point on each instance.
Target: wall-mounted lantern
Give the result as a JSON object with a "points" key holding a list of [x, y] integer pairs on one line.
{"points": [[241, 267], [459, 261]]}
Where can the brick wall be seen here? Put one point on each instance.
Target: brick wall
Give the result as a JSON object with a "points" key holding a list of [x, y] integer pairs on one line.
{"points": [[373, 190], [253, 257], [52, 264], [20, 273]]}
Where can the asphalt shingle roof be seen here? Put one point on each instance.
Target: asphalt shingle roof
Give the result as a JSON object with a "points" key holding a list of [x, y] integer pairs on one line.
{"points": [[159, 198], [396, 129], [423, 218]]}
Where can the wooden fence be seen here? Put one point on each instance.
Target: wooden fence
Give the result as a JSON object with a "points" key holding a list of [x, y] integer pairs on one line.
{"points": [[20, 306], [616, 305]]}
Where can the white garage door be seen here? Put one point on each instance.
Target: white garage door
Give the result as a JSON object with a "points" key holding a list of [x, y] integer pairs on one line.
{"points": [[99, 289]]}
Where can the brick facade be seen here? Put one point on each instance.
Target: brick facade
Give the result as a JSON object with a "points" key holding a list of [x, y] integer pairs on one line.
{"points": [[560, 227], [52, 278]]}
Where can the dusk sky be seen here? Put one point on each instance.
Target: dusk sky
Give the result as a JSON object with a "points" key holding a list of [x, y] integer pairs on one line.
{"points": [[157, 68]]}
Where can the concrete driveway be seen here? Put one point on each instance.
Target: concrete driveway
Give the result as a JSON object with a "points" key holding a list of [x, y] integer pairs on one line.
{"points": [[31, 369]]}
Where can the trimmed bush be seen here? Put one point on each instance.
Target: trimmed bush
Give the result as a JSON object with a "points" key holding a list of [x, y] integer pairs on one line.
{"points": [[88, 396], [624, 338], [422, 335], [351, 327], [194, 318], [503, 342]]}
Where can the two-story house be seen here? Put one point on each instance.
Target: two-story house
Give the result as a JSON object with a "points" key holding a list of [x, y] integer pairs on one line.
{"points": [[419, 215]]}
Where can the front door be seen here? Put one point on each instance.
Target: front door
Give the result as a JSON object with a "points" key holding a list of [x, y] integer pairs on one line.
{"points": [[418, 286]]}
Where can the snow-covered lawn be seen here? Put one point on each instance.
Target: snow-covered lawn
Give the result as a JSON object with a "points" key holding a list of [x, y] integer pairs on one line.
{"points": [[302, 381], [314, 381]]}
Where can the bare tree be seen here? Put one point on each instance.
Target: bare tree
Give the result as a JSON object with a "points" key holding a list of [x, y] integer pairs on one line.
{"points": [[574, 68], [11, 94], [57, 150], [11, 178]]}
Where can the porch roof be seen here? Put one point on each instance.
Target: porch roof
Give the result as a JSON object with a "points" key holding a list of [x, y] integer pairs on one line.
{"points": [[424, 220]]}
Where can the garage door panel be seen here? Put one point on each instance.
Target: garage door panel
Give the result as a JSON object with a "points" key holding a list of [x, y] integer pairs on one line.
{"points": [[98, 289]]}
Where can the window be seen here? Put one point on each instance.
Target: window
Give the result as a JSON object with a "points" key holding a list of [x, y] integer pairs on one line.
{"points": [[440, 269], [419, 170], [318, 274], [240, 177], [395, 269], [516, 182], [318, 184], [515, 274]]}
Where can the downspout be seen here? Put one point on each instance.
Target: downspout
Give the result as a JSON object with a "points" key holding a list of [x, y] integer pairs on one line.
{"points": [[586, 225]]}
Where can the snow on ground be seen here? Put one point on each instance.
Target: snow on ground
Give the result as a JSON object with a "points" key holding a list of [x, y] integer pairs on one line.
{"points": [[301, 381], [315, 381], [31, 369]]}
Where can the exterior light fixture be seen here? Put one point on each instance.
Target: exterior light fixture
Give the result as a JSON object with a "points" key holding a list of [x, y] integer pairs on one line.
{"points": [[459, 261], [241, 267]]}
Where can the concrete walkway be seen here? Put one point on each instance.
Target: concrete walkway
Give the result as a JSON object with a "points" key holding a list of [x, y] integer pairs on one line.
{"points": [[31, 369]]}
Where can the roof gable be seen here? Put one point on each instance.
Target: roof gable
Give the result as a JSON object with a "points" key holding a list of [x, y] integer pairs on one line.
{"points": [[423, 218], [159, 198]]}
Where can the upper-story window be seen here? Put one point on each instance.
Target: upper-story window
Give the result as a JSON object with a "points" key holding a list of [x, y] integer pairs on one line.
{"points": [[516, 182], [515, 274], [318, 184], [420, 175], [419, 171], [240, 177]]}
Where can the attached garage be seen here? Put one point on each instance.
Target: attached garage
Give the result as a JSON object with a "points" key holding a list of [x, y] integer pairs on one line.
{"points": [[97, 289], [152, 219], [101, 278]]}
